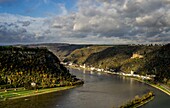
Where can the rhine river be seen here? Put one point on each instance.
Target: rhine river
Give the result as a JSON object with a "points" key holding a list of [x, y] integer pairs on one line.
{"points": [[99, 91]]}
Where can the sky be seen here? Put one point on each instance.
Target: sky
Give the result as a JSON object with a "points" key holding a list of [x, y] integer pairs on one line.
{"points": [[85, 21]]}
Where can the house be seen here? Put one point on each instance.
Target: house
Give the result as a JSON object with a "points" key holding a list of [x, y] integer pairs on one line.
{"points": [[33, 84], [100, 70], [70, 64], [92, 68], [83, 66], [132, 72], [135, 55]]}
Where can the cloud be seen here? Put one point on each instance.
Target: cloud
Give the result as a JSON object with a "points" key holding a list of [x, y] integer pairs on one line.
{"points": [[95, 21], [139, 20], [16, 28], [24, 23], [10, 32], [63, 9]]}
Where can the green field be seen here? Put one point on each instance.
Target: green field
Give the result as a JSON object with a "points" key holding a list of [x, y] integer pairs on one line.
{"points": [[20, 93]]}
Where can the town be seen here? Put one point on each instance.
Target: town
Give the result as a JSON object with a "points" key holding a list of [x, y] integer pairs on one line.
{"points": [[109, 71]]}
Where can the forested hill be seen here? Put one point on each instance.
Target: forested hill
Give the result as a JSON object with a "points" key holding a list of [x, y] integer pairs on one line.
{"points": [[20, 66], [158, 63], [142, 59]]}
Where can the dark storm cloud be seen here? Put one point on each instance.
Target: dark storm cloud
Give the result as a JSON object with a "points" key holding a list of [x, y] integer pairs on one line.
{"points": [[9, 32], [139, 20], [24, 23]]}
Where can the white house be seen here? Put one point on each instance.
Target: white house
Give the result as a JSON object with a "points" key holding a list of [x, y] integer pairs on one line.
{"points": [[132, 72], [33, 84], [92, 68]]}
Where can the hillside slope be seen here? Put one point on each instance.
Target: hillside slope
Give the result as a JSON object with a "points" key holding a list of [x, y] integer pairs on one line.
{"points": [[158, 63], [21, 66], [112, 57], [61, 50], [143, 59], [79, 56]]}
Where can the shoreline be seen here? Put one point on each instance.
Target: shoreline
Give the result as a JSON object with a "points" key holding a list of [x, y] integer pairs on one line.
{"points": [[51, 90], [137, 79], [153, 85], [30, 93], [140, 101], [145, 102]]}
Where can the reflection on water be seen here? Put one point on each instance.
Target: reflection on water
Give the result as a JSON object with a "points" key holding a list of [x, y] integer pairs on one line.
{"points": [[99, 73], [99, 91], [91, 72], [84, 71]]}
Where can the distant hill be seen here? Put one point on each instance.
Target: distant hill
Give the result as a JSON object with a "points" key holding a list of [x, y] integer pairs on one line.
{"points": [[112, 57], [21, 66], [142, 59], [79, 56], [148, 59], [61, 50]]}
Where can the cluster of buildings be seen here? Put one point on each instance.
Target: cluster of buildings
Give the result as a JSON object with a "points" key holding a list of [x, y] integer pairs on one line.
{"points": [[147, 77], [111, 71]]}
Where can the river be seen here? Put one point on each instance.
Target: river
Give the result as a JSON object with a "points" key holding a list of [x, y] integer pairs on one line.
{"points": [[99, 91]]}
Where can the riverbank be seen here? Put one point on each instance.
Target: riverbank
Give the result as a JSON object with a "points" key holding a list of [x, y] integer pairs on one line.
{"points": [[22, 93], [139, 101], [159, 87]]}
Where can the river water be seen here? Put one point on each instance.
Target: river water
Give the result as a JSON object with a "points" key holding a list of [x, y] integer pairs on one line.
{"points": [[99, 91]]}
